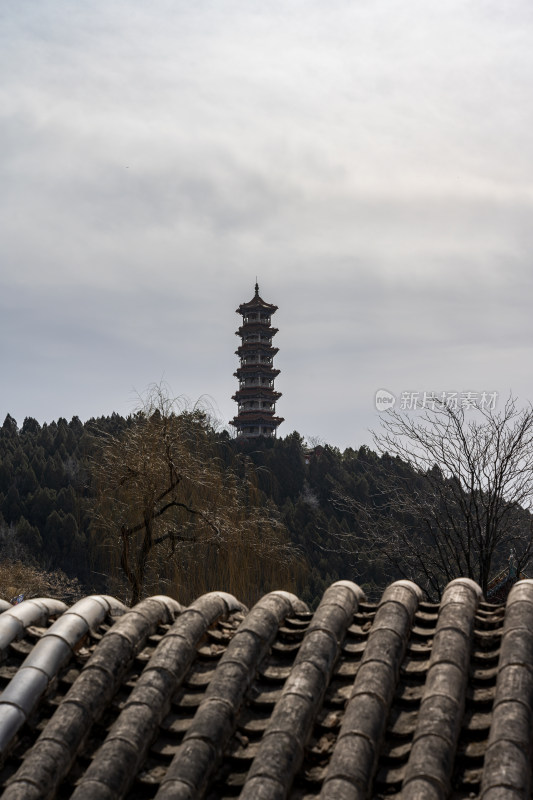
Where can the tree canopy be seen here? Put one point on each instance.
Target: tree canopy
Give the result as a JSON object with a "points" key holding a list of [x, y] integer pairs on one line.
{"points": [[164, 498], [245, 507]]}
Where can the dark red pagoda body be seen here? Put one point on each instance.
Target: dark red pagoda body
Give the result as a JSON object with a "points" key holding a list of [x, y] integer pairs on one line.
{"points": [[256, 396]]}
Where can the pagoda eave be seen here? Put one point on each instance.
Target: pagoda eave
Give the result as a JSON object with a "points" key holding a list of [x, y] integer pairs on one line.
{"points": [[256, 327], [251, 347], [264, 370], [262, 418], [249, 394], [257, 304], [261, 370]]}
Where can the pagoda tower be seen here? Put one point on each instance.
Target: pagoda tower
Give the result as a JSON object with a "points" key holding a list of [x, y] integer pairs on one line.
{"points": [[256, 396]]}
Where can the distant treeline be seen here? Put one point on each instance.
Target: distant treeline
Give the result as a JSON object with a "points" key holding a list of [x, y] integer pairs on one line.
{"points": [[45, 499], [45, 493]]}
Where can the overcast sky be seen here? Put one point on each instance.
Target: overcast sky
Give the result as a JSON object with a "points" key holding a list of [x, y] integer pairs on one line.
{"points": [[370, 161]]}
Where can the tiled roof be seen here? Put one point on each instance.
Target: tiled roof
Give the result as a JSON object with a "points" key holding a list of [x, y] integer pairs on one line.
{"points": [[402, 698]]}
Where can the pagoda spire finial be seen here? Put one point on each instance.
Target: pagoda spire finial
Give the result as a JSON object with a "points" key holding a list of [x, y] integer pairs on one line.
{"points": [[256, 287]]}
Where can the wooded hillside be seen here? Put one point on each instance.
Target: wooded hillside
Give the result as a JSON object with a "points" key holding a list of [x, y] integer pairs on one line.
{"points": [[48, 519]]}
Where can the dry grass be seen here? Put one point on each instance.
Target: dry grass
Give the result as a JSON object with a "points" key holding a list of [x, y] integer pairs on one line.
{"points": [[18, 578]]}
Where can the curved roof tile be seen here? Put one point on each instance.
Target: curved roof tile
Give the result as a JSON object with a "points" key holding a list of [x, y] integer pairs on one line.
{"points": [[15, 619], [213, 724], [281, 751], [402, 698], [51, 757], [354, 759], [435, 737], [42, 664], [507, 765], [134, 730]]}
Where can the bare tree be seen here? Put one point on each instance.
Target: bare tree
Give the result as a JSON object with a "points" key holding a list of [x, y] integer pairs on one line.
{"points": [[452, 492], [163, 498]]}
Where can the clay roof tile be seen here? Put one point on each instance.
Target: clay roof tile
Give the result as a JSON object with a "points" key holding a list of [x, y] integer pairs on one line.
{"points": [[357, 699]]}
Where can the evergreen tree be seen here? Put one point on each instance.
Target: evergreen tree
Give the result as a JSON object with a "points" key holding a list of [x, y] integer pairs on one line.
{"points": [[11, 507], [29, 538]]}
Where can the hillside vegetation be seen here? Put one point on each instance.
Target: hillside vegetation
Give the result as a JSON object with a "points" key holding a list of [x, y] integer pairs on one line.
{"points": [[49, 520]]}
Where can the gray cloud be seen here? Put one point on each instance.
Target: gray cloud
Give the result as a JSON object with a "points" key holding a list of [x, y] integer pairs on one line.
{"points": [[371, 163]]}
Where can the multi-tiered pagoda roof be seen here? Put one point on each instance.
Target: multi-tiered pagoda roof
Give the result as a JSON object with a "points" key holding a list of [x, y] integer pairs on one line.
{"points": [[256, 396]]}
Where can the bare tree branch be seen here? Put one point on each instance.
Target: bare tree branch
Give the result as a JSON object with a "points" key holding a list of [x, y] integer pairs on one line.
{"points": [[451, 494], [163, 492]]}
